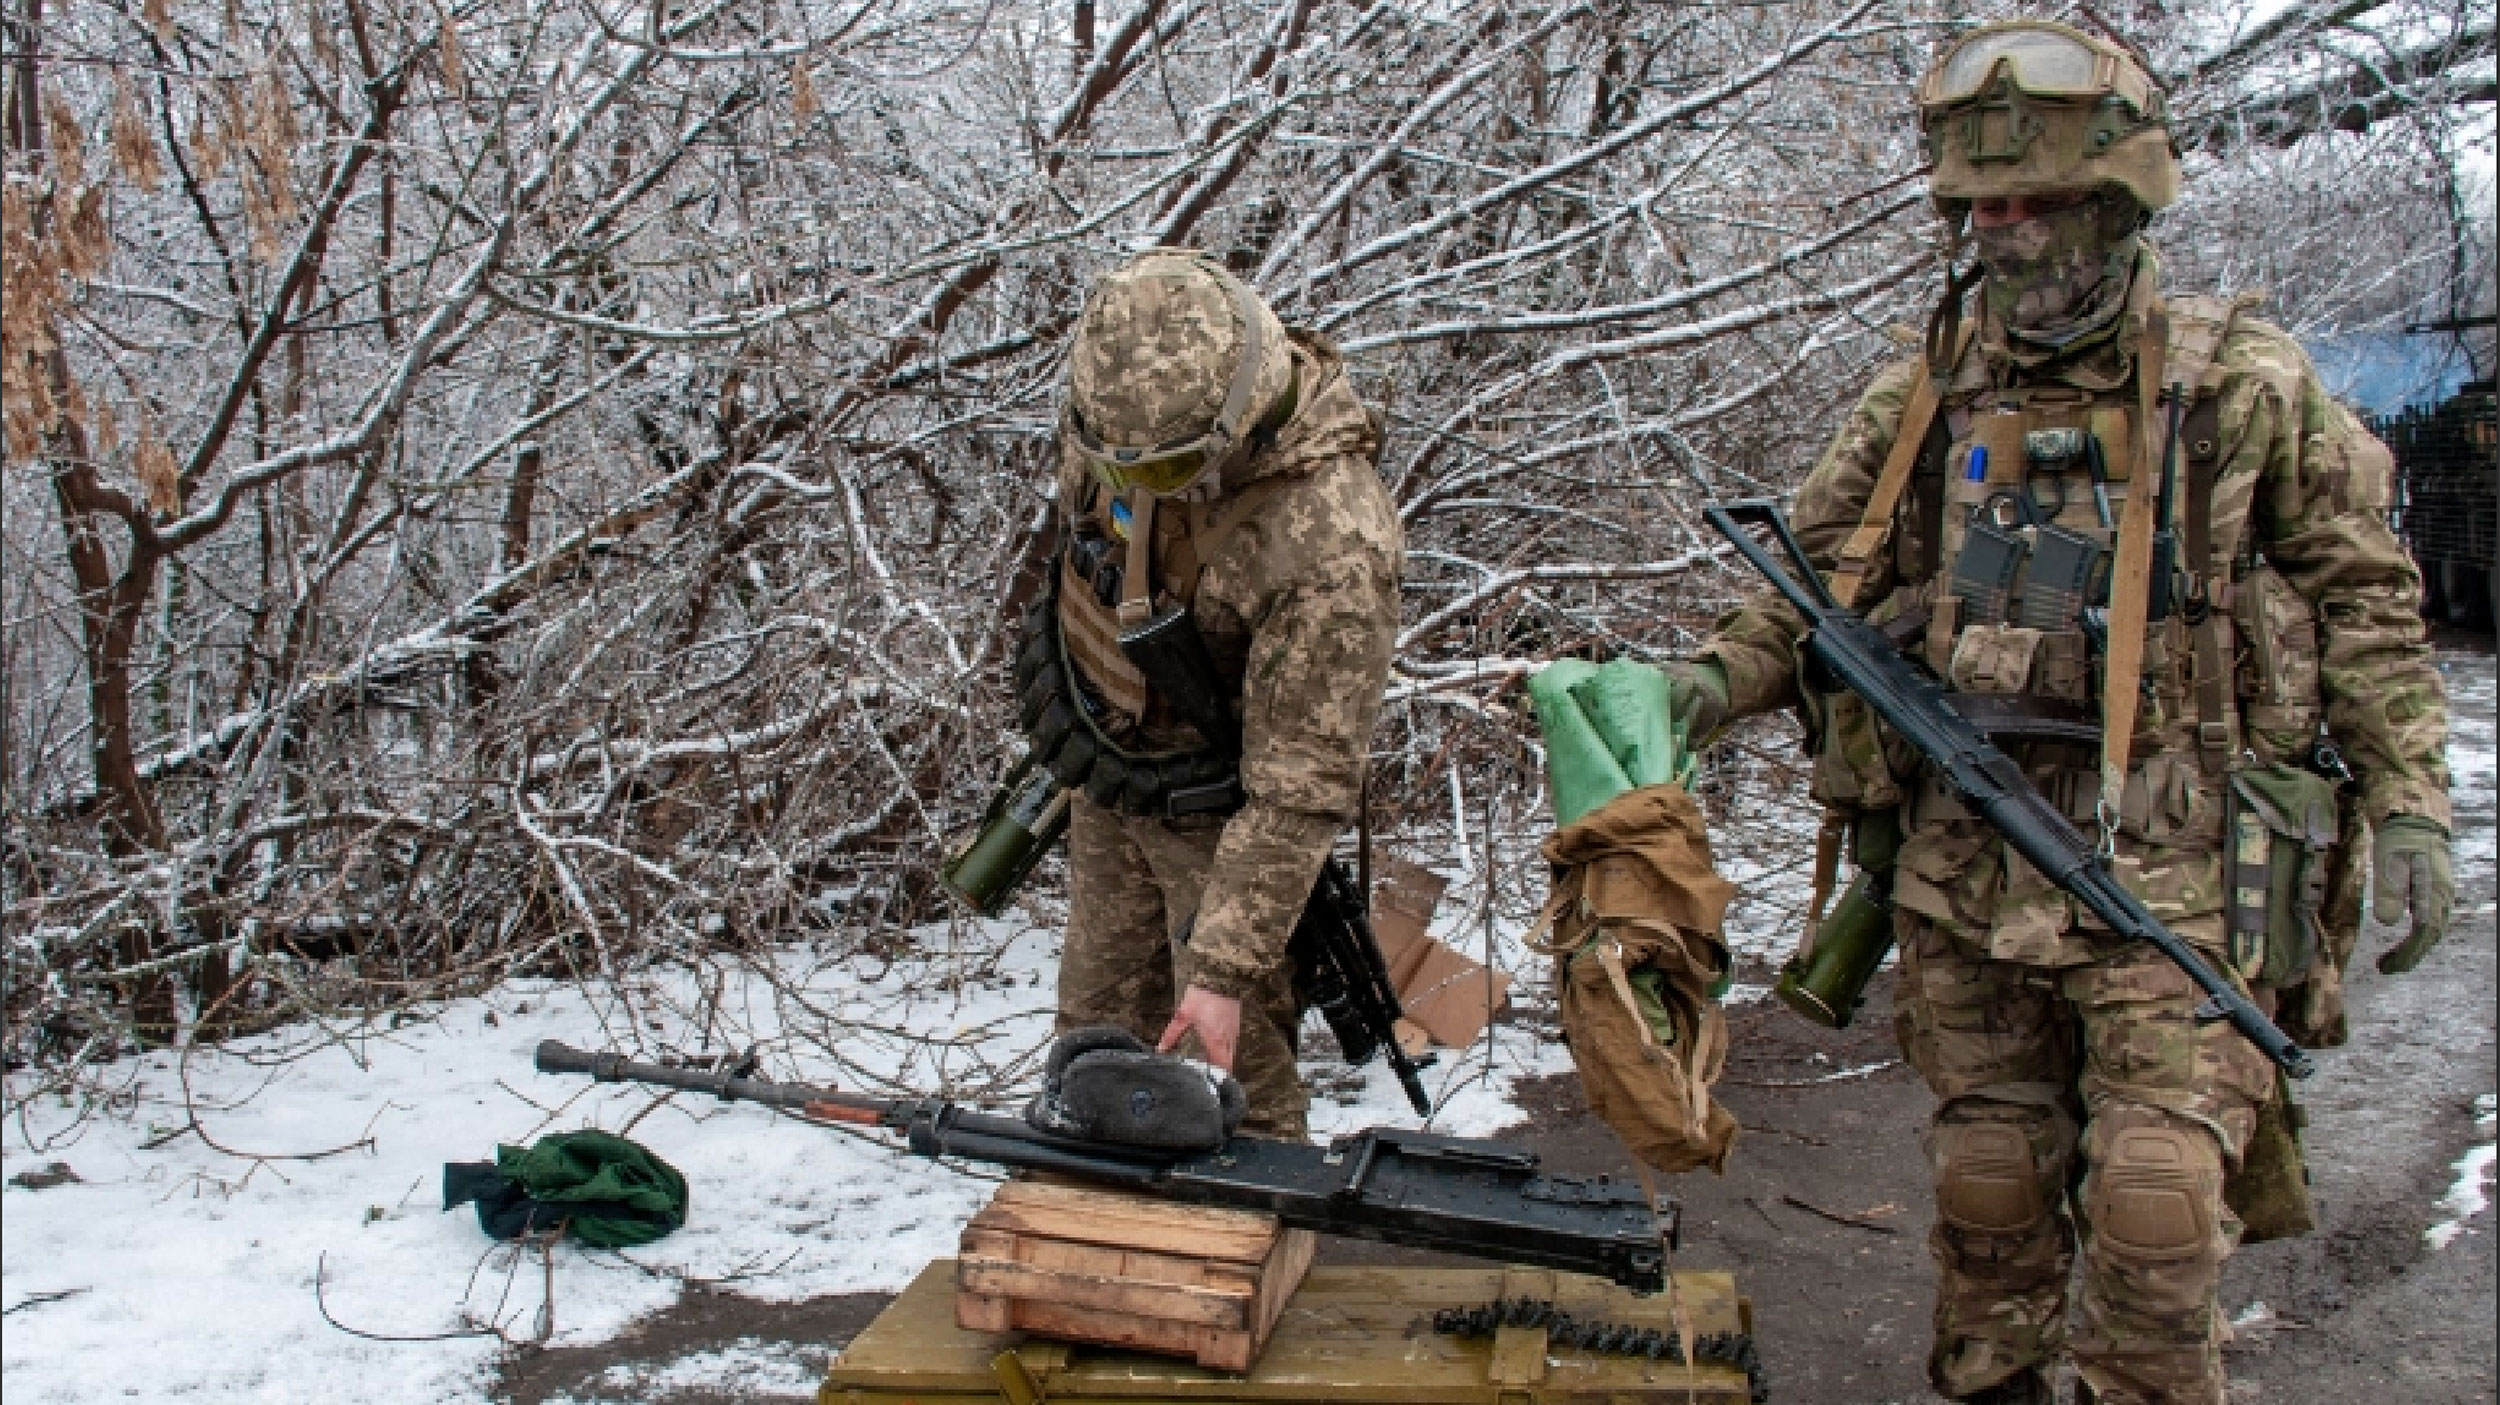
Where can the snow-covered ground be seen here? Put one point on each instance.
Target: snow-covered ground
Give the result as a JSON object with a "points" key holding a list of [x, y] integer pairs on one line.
{"points": [[171, 1268], [184, 1261]]}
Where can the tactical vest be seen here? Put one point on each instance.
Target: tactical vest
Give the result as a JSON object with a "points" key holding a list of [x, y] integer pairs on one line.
{"points": [[2001, 515], [1089, 714]]}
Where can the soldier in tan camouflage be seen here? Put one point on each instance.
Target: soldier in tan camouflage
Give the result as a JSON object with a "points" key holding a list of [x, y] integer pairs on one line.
{"points": [[1216, 463], [2081, 1107]]}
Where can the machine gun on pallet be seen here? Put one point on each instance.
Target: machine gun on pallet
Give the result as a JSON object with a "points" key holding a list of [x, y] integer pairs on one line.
{"points": [[1420, 1189]]}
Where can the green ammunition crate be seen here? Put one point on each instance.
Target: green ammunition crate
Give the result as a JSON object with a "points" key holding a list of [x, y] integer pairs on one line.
{"points": [[1350, 1334]]}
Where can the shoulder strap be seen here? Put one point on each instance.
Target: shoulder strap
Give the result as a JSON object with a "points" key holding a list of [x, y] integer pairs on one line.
{"points": [[2198, 328], [1874, 533], [2130, 576], [2199, 325], [1137, 582]]}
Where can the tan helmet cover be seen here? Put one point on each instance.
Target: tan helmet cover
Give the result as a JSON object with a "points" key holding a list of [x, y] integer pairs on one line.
{"points": [[1164, 357], [1991, 133]]}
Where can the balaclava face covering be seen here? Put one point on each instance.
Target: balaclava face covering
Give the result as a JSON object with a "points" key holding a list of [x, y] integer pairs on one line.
{"points": [[2055, 279]]}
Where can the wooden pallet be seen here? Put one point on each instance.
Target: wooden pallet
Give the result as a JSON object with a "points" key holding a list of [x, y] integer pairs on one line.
{"points": [[1352, 1335], [1120, 1270]]}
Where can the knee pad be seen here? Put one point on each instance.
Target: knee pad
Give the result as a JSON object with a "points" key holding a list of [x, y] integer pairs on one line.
{"points": [[2153, 1192], [1988, 1178]]}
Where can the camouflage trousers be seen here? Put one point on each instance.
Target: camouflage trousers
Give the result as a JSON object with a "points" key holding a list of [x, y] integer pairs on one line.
{"points": [[2079, 1107], [1133, 883]]}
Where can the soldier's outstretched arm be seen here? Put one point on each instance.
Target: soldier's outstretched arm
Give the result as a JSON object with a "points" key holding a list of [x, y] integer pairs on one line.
{"points": [[1754, 644], [2324, 486]]}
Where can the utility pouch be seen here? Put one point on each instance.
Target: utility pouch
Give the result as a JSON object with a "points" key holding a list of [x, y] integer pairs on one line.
{"points": [[2280, 826], [1994, 658], [2068, 571], [2268, 1192]]}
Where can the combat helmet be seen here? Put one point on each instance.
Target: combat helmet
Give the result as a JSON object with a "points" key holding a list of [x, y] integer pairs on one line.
{"points": [[2022, 107], [1177, 373]]}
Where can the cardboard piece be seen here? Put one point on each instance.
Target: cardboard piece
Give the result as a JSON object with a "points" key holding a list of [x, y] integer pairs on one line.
{"points": [[1403, 898], [1447, 999], [1451, 997]]}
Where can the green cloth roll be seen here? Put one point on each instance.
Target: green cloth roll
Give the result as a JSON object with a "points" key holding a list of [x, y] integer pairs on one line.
{"points": [[1580, 772], [1628, 703]]}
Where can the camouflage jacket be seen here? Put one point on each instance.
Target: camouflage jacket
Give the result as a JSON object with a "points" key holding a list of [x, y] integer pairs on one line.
{"points": [[2298, 484], [1299, 602]]}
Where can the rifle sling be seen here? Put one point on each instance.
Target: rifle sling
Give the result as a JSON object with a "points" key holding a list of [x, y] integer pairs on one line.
{"points": [[1874, 531], [2131, 584], [1827, 841]]}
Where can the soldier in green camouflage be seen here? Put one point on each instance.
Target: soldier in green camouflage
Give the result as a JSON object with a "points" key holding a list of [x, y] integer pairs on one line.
{"points": [[2082, 1109], [1215, 462]]}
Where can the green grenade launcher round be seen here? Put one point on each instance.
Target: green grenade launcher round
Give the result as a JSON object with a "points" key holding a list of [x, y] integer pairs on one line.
{"points": [[1826, 980], [1026, 817]]}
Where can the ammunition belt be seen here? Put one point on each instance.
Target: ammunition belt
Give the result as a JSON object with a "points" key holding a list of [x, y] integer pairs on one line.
{"points": [[1608, 1338], [1059, 721]]}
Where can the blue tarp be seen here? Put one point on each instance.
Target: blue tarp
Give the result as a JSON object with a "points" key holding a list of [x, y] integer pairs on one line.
{"points": [[2382, 372]]}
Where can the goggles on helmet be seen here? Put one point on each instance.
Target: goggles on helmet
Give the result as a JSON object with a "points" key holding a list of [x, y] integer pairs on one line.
{"points": [[2039, 59], [1173, 466], [1160, 469]]}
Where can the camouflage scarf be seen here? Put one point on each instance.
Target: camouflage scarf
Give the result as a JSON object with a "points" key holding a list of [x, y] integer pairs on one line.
{"points": [[2057, 278]]}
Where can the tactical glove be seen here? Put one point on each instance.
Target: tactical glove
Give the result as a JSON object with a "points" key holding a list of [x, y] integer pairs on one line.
{"points": [[1697, 692], [2414, 874]]}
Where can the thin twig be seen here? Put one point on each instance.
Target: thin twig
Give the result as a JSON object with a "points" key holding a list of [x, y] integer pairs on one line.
{"points": [[39, 1299], [321, 1300], [1838, 1217]]}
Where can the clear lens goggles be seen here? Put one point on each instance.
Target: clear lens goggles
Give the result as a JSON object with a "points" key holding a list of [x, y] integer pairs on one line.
{"points": [[2045, 63]]}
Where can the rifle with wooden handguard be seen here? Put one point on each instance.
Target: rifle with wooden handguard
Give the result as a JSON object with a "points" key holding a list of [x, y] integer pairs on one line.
{"points": [[1420, 1189], [1915, 704]]}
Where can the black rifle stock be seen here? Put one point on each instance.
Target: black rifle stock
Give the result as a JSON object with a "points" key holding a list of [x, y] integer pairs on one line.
{"points": [[1336, 957], [1420, 1189], [1913, 703]]}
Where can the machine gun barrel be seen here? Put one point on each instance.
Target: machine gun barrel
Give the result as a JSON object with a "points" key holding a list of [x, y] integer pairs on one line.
{"points": [[1914, 704], [1420, 1189]]}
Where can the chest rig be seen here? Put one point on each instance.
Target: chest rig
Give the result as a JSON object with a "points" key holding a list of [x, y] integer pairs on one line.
{"points": [[2022, 527], [1088, 710], [2019, 528]]}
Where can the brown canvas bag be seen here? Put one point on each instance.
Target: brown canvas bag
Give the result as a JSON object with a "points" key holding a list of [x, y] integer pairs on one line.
{"points": [[1633, 923]]}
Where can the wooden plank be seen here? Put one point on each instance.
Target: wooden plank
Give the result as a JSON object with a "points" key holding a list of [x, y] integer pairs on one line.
{"points": [[1108, 1262], [980, 1312], [1208, 1347], [1518, 1356], [1097, 1294], [1283, 1274], [1350, 1335], [1108, 1217]]}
